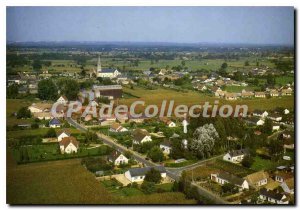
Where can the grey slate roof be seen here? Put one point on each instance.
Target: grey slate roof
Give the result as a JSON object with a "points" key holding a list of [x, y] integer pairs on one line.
{"points": [[231, 178], [143, 171]]}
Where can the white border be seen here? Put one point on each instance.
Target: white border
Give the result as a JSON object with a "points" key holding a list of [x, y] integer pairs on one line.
{"points": [[5, 3]]}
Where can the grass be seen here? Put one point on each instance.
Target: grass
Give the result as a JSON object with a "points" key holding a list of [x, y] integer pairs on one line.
{"points": [[192, 97], [267, 164], [182, 164]]}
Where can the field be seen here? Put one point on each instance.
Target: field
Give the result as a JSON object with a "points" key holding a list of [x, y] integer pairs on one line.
{"points": [[193, 97], [67, 182]]}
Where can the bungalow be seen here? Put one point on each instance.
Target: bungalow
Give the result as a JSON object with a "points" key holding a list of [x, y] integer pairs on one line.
{"points": [[259, 113], [257, 179], [109, 91], [235, 156], [62, 99], [275, 117], [43, 115], [138, 174], [275, 127], [68, 145], [141, 136], [255, 121], [116, 127], [168, 122], [286, 92], [201, 87], [274, 93], [117, 158], [288, 186], [223, 178], [62, 134], [54, 123], [259, 95], [281, 176], [272, 196], [166, 146], [107, 120], [40, 107], [246, 94], [230, 96]]}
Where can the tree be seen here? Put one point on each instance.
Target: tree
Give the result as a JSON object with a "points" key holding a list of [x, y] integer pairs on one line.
{"points": [[271, 80], [247, 161], [156, 154], [204, 140], [37, 65], [153, 176], [148, 187], [246, 63], [228, 187], [50, 133], [69, 88], [276, 148], [224, 66], [12, 91], [23, 113], [268, 126], [47, 90]]}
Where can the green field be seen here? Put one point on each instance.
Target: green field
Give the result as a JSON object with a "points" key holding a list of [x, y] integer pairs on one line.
{"points": [[67, 182]]}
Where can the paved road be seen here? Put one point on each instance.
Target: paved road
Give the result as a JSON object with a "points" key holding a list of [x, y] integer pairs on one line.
{"points": [[173, 174]]}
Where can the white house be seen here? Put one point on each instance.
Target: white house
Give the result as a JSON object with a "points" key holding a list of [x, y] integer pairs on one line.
{"points": [[69, 145], [255, 121], [62, 99], [116, 127], [276, 127], [166, 147], [286, 111], [54, 123], [40, 107], [257, 179], [106, 73], [259, 113], [275, 117], [235, 156], [141, 136], [117, 158], [138, 174], [273, 197], [223, 178], [62, 134]]}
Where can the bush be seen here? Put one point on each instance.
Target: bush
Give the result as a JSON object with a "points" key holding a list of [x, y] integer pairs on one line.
{"points": [[148, 187], [153, 176]]}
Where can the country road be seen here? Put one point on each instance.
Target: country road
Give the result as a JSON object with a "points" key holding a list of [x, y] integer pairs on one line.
{"points": [[172, 173]]}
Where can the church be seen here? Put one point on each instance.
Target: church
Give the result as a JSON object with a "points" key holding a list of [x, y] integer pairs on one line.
{"points": [[106, 73]]}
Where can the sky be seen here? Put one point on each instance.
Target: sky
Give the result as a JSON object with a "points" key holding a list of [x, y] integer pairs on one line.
{"points": [[230, 25]]}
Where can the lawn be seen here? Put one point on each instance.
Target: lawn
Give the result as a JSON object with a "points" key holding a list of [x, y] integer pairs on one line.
{"points": [[267, 164]]}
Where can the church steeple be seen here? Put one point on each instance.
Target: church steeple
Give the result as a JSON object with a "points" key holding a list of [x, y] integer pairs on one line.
{"points": [[99, 65]]}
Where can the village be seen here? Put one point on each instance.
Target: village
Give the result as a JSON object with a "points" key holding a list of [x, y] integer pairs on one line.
{"points": [[237, 173]]}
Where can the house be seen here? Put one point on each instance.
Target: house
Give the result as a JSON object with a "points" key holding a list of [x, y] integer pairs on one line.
{"points": [[274, 93], [201, 87], [254, 121], [288, 186], [236, 156], [40, 107], [275, 127], [223, 178], [62, 99], [282, 176], [286, 92], [257, 179], [259, 113], [141, 136], [62, 134], [43, 115], [230, 96], [108, 91], [272, 196], [116, 127], [286, 111], [68, 145], [259, 95], [247, 94], [138, 174], [107, 120], [275, 117], [168, 122], [117, 158], [54, 123], [162, 72], [166, 146]]}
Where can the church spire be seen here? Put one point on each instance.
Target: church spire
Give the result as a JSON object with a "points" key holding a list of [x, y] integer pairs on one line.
{"points": [[99, 64]]}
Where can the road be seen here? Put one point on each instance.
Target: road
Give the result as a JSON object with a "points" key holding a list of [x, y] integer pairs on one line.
{"points": [[174, 174]]}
